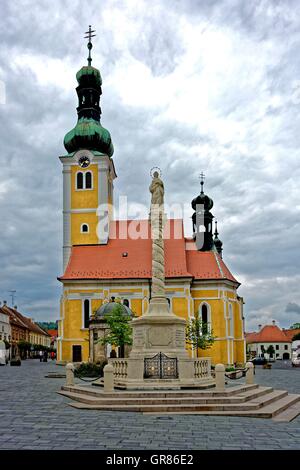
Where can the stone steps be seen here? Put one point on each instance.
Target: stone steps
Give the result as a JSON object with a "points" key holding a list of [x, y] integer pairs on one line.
{"points": [[283, 410], [289, 413], [120, 399], [176, 405], [240, 400], [278, 410], [230, 391]]}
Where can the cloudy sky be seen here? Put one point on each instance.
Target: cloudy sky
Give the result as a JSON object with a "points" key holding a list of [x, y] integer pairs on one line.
{"points": [[189, 85]]}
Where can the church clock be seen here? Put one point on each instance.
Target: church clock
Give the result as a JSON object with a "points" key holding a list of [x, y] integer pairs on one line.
{"points": [[84, 161]]}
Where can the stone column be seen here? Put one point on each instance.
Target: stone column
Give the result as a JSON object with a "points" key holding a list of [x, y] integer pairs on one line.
{"points": [[70, 374], [249, 373], [220, 377], [108, 373]]}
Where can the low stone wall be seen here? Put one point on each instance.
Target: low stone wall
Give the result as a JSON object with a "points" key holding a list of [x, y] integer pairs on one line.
{"points": [[202, 367], [120, 368]]}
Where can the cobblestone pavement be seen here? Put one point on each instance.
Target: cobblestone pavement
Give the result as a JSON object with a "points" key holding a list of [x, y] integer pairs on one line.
{"points": [[33, 416]]}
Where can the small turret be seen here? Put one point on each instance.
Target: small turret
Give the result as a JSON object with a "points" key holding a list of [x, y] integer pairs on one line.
{"points": [[202, 220], [217, 242]]}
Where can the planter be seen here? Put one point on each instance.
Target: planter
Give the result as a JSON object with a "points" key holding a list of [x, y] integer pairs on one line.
{"points": [[15, 362]]}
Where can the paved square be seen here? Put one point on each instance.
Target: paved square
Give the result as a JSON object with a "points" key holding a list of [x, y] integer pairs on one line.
{"points": [[34, 416]]}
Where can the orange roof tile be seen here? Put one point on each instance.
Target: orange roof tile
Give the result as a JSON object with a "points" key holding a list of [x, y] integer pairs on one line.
{"points": [[107, 261], [268, 334], [53, 333]]}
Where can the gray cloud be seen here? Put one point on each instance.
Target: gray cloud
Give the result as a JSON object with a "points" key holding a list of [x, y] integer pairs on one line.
{"points": [[292, 307], [187, 86]]}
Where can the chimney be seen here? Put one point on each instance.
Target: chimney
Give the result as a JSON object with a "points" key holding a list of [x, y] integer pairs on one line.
{"points": [[259, 327], [15, 307], [273, 322]]}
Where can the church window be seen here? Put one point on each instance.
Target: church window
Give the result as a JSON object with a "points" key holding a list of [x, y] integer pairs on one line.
{"points": [[84, 228], [88, 180], [204, 314], [86, 313], [79, 180]]}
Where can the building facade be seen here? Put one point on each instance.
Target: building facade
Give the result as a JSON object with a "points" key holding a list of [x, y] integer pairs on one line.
{"points": [[24, 329], [104, 258], [5, 328], [269, 335]]}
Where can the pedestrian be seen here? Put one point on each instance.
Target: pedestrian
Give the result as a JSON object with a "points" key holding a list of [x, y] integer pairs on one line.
{"points": [[41, 355], [45, 356], [52, 355]]}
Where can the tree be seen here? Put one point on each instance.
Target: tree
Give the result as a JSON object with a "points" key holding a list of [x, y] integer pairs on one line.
{"points": [[296, 337], [120, 331], [295, 326], [198, 335], [270, 350], [24, 347]]}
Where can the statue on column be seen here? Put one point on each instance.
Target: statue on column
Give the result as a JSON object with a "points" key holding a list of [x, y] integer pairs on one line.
{"points": [[156, 216]]}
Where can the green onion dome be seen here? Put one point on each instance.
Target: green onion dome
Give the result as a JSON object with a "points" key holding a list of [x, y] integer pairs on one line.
{"points": [[89, 134], [107, 308], [89, 75]]}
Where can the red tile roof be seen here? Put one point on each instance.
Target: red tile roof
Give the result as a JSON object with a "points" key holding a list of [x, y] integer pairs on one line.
{"points": [[107, 261], [19, 319], [52, 333], [268, 334]]}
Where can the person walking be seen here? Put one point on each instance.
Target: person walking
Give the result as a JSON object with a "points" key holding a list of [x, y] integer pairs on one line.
{"points": [[41, 355]]}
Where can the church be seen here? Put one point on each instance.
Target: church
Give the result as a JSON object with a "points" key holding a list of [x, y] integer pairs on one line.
{"points": [[99, 265]]}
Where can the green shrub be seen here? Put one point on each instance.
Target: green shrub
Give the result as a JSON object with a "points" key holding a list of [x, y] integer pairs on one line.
{"points": [[230, 369], [90, 369]]}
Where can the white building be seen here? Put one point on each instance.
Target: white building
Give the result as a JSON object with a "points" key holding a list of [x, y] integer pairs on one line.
{"points": [[5, 329], [269, 335]]}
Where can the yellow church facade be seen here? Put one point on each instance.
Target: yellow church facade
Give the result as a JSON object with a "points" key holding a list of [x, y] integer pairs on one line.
{"points": [[104, 258]]}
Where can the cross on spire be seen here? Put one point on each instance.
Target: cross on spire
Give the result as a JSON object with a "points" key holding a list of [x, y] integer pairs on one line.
{"points": [[202, 178], [89, 35]]}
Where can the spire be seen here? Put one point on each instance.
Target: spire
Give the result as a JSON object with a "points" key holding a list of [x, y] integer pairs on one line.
{"points": [[88, 132], [202, 178], [89, 36], [217, 242]]}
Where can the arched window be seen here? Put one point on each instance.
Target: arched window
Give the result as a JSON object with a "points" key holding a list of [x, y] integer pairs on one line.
{"points": [[79, 180], [204, 316], [84, 228], [86, 313], [126, 302], [88, 180]]}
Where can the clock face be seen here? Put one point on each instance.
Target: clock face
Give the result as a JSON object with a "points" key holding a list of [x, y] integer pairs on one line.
{"points": [[84, 161]]}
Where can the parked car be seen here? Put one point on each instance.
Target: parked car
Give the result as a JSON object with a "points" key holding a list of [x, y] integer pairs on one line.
{"points": [[296, 361], [259, 361]]}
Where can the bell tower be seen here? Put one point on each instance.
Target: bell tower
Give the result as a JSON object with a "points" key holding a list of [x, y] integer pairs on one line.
{"points": [[202, 220], [88, 168]]}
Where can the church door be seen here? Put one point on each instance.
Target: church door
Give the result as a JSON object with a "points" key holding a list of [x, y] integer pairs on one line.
{"points": [[76, 354]]}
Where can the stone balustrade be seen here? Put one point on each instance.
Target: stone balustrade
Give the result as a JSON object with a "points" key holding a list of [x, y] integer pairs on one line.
{"points": [[120, 368], [202, 367]]}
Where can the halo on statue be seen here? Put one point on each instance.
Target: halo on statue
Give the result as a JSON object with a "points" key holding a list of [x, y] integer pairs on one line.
{"points": [[155, 172]]}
